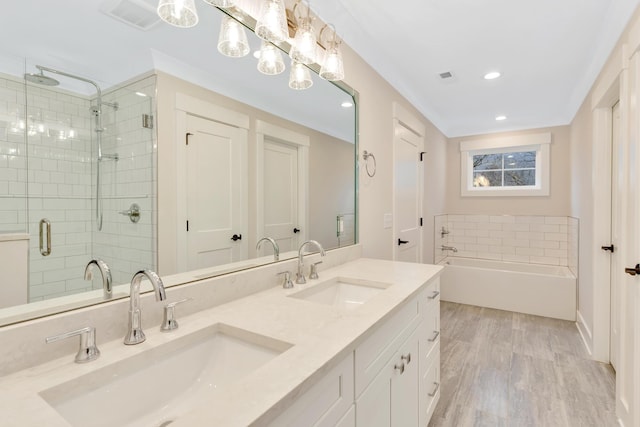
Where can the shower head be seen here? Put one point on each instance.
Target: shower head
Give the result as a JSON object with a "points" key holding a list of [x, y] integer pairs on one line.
{"points": [[41, 79]]}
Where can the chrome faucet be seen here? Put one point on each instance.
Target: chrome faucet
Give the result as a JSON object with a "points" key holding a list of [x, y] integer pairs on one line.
{"points": [[448, 248], [300, 274], [276, 248], [135, 334], [105, 272]]}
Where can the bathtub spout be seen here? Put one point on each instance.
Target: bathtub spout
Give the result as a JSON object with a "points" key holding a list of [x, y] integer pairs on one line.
{"points": [[448, 248]]}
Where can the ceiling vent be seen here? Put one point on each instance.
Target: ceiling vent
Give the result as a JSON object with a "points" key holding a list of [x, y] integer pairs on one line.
{"points": [[139, 14], [446, 75]]}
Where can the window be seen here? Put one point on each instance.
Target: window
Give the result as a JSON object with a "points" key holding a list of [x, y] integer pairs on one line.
{"points": [[517, 166]]}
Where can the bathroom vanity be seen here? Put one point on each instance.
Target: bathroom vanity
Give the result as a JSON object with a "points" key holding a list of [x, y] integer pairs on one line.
{"points": [[333, 352]]}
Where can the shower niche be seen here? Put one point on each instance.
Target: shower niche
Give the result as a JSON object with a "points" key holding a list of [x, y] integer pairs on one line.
{"points": [[74, 154]]}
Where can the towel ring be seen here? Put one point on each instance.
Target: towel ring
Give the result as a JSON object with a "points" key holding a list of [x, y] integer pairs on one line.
{"points": [[365, 156]]}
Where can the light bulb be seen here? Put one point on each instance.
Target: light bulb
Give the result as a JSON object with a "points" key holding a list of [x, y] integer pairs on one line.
{"points": [[270, 61], [332, 67], [299, 77], [232, 41], [272, 21], [303, 49], [179, 13]]}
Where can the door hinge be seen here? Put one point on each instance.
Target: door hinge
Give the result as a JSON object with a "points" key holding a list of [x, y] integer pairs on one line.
{"points": [[187, 225], [422, 153], [147, 121], [186, 138]]}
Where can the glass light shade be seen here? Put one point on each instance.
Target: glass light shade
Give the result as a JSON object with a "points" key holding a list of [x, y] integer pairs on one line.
{"points": [[332, 66], [270, 61], [221, 3], [272, 21], [233, 39], [303, 49], [300, 77], [179, 13]]}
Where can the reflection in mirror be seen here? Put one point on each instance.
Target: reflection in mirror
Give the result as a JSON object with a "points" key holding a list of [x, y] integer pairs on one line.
{"points": [[79, 152]]}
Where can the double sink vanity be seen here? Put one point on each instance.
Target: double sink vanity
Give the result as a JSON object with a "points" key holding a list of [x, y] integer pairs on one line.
{"points": [[335, 351]]}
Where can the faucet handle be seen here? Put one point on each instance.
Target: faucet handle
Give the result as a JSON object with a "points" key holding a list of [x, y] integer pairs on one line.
{"points": [[287, 283], [169, 323], [88, 350], [313, 274]]}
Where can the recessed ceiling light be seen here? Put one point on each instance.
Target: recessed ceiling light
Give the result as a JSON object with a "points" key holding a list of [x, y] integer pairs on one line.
{"points": [[500, 118], [347, 104], [492, 75]]}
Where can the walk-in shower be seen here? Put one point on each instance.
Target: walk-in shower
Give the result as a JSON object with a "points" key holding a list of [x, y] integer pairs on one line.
{"points": [[96, 111]]}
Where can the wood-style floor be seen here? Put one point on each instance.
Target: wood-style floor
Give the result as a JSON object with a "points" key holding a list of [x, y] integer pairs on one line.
{"points": [[510, 369]]}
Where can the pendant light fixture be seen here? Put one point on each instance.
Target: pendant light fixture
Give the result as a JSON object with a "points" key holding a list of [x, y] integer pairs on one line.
{"points": [[304, 46], [332, 68], [221, 3], [299, 77], [232, 40], [272, 21], [179, 13], [270, 61]]}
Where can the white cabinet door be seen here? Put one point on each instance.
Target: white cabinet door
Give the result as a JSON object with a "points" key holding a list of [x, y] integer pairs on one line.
{"points": [[391, 400], [216, 193]]}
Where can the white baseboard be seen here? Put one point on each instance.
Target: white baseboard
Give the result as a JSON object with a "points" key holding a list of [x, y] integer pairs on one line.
{"points": [[585, 332]]}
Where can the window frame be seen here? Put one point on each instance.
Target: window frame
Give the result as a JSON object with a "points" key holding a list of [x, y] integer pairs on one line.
{"points": [[540, 143]]}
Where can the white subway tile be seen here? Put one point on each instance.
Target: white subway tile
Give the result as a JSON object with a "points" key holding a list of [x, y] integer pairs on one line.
{"points": [[502, 219], [515, 258], [530, 251], [562, 220], [560, 237]]}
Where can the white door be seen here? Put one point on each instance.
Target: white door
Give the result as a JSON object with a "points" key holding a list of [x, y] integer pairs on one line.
{"points": [[407, 195], [617, 186], [216, 193], [280, 202], [628, 363]]}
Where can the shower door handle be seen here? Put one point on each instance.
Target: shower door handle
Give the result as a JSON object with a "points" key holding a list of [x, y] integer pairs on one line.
{"points": [[45, 229]]}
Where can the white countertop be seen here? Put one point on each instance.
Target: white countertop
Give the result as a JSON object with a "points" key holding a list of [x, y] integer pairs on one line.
{"points": [[321, 336]]}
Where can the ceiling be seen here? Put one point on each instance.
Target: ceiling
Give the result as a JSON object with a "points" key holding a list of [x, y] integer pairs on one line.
{"points": [[548, 51]]}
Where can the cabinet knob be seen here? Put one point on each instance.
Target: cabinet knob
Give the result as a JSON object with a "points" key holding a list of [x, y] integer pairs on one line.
{"points": [[406, 358], [399, 368], [434, 295]]}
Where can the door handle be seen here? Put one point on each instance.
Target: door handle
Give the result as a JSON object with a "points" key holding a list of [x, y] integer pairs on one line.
{"points": [[236, 237], [609, 248], [296, 230], [402, 242], [633, 271], [45, 232]]}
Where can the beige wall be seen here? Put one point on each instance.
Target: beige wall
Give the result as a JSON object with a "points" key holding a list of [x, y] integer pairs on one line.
{"points": [[376, 136], [329, 192], [556, 204]]}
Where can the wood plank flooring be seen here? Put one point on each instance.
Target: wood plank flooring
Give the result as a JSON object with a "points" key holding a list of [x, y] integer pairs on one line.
{"points": [[516, 370]]}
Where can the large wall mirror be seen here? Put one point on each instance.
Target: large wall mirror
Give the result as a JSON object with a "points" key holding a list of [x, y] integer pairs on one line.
{"points": [[98, 100]]}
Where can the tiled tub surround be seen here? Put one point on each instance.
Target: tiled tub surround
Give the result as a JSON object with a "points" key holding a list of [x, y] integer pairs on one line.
{"points": [[322, 337], [548, 240], [47, 151]]}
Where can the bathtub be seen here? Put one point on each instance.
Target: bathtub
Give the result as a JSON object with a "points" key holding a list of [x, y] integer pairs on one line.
{"points": [[543, 290]]}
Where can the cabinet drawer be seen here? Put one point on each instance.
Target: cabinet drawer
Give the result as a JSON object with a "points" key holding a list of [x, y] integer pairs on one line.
{"points": [[374, 353], [430, 336], [325, 403], [430, 386], [432, 293]]}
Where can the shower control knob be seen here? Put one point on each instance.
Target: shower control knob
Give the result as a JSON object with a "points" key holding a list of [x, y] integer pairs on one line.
{"points": [[236, 237]]}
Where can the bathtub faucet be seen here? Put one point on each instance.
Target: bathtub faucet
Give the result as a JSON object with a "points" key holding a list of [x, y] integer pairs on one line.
{"points": [[448, 248]]}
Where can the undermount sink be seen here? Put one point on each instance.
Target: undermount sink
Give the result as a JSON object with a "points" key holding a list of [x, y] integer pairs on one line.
{"points": [[342, 292], [159, 385]]}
